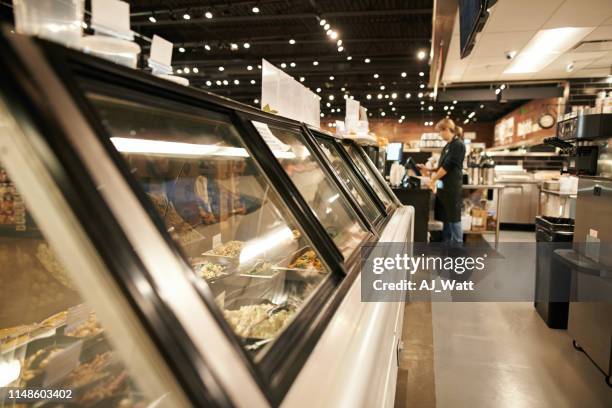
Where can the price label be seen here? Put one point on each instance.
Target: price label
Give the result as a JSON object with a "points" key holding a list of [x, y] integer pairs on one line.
{"points": [[76, 316]]}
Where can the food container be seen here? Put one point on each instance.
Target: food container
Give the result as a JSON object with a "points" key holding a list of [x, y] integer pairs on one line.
{"points": [[56, 20], [119, 51]]}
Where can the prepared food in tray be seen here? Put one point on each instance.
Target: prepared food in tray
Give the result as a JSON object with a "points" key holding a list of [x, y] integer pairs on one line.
{"points": [[307, 260], [259, 321], [91, 327], [230, 249], [210, 270]]}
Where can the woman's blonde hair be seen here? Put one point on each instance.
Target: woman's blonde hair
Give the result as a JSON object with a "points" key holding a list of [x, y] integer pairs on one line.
{"points": [[459, 132], [447, 123]]}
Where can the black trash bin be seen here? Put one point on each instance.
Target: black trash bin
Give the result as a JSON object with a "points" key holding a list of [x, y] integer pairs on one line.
{"points": [[552, 285]]}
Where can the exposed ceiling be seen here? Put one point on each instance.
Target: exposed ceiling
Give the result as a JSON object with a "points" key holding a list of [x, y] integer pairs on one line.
{"points": [[378, 64], [512, 24]]}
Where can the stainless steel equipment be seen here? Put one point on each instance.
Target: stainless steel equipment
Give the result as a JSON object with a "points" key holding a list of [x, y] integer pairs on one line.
{"points": [[520, 195]]}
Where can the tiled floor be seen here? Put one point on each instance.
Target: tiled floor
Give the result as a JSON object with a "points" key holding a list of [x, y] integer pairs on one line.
{"points": [[492, 355]]}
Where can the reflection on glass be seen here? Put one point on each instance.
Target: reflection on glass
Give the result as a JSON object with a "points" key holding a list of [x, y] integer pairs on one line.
{"points": [[49, 337], [217, 205], [349, 179], [363, 167], [323, 196]]}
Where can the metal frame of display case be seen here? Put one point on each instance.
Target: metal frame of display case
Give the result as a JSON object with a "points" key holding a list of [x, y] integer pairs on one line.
{"points": [[373, 169], [70, 75], [386, 211]]}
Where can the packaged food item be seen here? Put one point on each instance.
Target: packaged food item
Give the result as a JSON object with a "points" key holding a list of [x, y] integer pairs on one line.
{"points": [[479, 219]]}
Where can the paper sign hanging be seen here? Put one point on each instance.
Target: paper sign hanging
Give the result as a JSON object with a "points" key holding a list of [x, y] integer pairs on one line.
{"points": [[161, 51], [111, 17]]}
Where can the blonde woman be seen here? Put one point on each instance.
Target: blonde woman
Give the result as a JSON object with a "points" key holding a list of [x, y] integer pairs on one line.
{"points": [[447, 181]]}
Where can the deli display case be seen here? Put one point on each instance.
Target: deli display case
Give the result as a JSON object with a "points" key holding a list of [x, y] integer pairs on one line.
{"points": [[163, 246]]}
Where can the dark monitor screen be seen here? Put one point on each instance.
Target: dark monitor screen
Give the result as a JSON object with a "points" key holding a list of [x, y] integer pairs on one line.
{"points": [[470, 12]]}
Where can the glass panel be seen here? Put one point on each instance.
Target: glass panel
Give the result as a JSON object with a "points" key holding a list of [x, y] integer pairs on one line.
{"points": [[350, 180], [218, 206], [326, 200], [49, 337], [363, 167]]}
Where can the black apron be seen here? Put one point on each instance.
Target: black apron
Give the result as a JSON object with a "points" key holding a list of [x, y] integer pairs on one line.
{"points": [[449, 198]]}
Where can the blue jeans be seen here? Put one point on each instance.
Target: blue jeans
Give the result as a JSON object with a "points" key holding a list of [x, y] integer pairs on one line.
{"points": [[452, 232]]}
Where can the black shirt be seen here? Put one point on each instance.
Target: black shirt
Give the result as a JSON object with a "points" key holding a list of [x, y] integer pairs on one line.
{"points": [[449, 196]]}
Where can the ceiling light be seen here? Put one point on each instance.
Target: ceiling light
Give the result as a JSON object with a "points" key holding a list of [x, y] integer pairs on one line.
{"points": [[330, 97], [502, 87], [318, 90], [333, 110], [430, 108], [339, 43], [208, 83], [186, 70], [219, 82], [258, 66], [386, 96], [367, 60], [421, 55], [390, 103], [331, 78], [345, 96], [322, 115], [340, 49], [471, 115], [481, 106], [421, 74], [497, 91], [376, 76], [445, 107], [236, 82], [379, 96], [249, 67], [207, 47], [403, 117], [422, 86], [452, 108], [186, 16], [368, 96], [246, 45], [420, 95], [322, 22], [326, 27], [256, 101], [545, 47], [221, 69], [393, 109], [465, 122], [255, 9], [408, 95], [422, 102], [334, 35], [196, 70], [292, 41], [511, 54], [394, 95], [302, 79], [208, 15], [283, 65], [253, 82], [426, 124], [569, 67], [404, 75], [422, 108], [233, 46], [179, 71], [153, 19], [225, 82], [349, 58], [292, 65], [328, 32], [181, 49], [315, 63], [382, 87], [454, 102], [382, 113], [400, 120], [328, 104]]}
